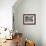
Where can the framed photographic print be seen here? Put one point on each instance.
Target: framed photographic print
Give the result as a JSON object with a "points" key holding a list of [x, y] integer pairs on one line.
{"points": [[29, 19]]}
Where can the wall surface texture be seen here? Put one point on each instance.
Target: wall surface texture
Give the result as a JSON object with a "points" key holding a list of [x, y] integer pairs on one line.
{"points": [[32, 32], [43, 22]]}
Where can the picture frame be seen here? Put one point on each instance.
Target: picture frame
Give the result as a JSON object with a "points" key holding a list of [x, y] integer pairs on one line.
{"points": [[29, 19]]}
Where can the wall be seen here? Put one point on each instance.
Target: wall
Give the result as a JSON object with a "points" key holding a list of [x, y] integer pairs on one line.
{"points": [[43, 22], [29, 31], [6, 18], [6, 13]]}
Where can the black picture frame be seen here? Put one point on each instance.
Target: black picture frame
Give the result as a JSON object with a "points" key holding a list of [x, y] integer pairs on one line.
{"points": [[29, 19]]}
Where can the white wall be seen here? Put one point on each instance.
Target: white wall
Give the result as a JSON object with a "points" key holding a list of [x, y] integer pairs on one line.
{"points": [[29, 31], [43, 22], [6, 13]]}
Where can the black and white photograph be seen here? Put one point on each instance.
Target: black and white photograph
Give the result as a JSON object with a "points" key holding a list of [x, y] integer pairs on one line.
{"points": [[29, 19]]}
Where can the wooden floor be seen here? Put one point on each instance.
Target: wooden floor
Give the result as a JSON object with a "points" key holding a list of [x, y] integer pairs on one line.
{"points": [[9, 43]]}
